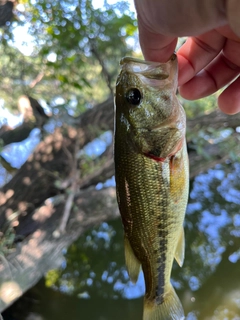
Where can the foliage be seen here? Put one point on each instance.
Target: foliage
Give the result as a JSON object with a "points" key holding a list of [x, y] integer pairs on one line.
{"points": [[75, 51], [196, 108]]}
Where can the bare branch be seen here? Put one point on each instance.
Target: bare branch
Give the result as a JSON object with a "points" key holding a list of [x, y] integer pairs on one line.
{"points": [[40, 252], [102, 64], [72, 192], [215, 120], [35, 81], [34, 117]]}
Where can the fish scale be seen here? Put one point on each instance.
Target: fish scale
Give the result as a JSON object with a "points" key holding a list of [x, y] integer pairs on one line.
{"points": [[151, 179]]}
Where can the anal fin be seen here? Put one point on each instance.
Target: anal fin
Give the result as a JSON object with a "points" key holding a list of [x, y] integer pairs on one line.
{"points": [[132, 263], [180, 249]]}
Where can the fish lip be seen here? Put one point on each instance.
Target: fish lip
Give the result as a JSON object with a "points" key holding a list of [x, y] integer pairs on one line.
{"points": [[136, 60], [147, 62], [151, 72]]}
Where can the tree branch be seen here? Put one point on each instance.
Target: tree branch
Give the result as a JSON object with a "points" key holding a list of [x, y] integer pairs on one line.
{"points": [[34, 117], [41, 252], [102, 64], [215, 120], [35, 81]]}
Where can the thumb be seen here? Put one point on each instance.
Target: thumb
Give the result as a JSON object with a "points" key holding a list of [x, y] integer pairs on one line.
{"points": [[233, 15]]}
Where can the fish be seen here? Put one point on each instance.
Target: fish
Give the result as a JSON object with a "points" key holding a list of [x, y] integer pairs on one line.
{"points": [[152, 178]]}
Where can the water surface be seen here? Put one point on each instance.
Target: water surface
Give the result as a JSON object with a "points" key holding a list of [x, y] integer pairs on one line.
{"points": [[93, 283]]}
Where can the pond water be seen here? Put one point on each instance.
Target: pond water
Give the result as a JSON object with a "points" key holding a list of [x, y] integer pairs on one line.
{"points": [[93, 283]]}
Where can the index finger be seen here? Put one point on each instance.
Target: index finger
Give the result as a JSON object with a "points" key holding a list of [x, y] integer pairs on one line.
{"points": [[197, 52], [155, 47]]}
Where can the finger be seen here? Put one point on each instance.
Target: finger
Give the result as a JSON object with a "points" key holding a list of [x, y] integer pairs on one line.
{"points": [[220, 72], [229, 99], [227, 32], [196, 53], [155, 47], [233, 9], [182, 18], [209, 80]]}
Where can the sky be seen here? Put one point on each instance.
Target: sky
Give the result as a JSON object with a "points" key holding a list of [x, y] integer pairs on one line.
{"points": [[99, 3]]}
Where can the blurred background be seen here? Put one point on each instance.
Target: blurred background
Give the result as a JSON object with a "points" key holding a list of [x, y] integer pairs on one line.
{"points": [[61, 238]]}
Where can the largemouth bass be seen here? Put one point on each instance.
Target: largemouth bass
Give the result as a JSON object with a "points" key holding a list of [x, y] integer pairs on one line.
{"points": [[151, 166]]}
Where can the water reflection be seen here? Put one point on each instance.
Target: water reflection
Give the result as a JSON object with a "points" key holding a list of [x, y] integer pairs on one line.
{"points": [[93, 283]]}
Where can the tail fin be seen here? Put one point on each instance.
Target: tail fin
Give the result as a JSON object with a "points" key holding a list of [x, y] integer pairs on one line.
{"points": [[170, 309]]}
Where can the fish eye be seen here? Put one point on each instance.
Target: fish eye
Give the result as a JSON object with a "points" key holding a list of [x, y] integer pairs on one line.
{"points": [[134, 96]]}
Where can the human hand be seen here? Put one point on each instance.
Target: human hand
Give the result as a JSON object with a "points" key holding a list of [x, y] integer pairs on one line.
{"points": [[210, 58]]}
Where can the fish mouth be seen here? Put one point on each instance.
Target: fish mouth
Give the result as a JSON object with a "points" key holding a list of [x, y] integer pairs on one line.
{"points": [[145, 62], [150, 71]]}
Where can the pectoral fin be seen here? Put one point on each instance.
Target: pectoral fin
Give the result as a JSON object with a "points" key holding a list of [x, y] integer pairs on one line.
{"points": [[180, 249], [132, 263]]}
